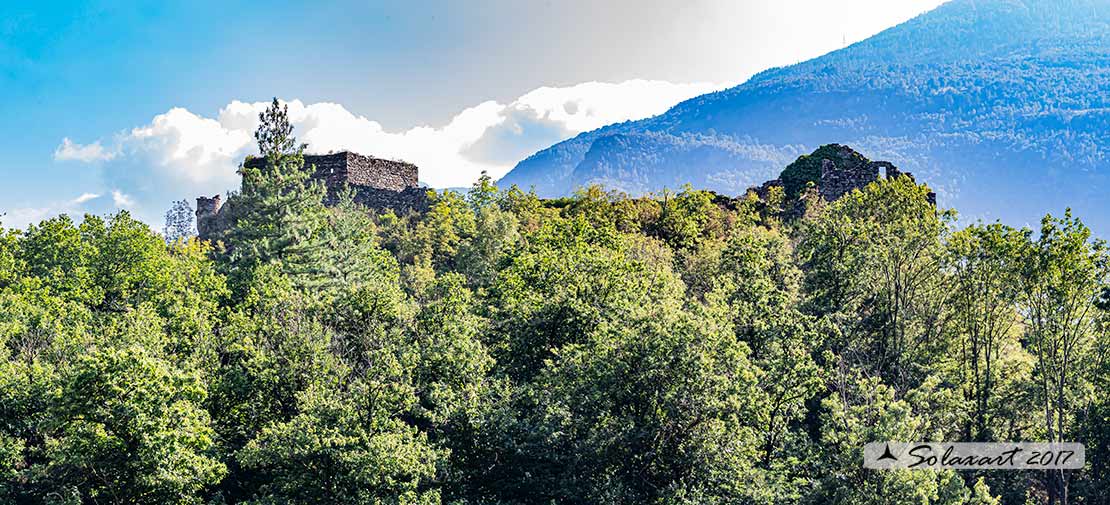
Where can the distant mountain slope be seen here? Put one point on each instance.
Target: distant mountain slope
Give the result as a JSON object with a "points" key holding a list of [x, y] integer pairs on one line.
{"points": [[1003, 106]]}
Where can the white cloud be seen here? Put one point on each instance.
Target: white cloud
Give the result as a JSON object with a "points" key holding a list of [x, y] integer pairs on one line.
{"points": [[180, 154], [121, 200], [185, 146], [88, 153], [20, 218], [91, 203], [591, 105], [84, 198]]}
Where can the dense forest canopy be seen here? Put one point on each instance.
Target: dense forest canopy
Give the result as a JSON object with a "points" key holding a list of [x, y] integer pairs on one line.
{"points": [[501, 348]]}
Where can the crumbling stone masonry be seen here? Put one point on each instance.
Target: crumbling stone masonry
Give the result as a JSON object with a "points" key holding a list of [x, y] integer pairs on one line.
{"points": [[376, 183], [837, 181], [842, 170], [210, 217], [356, 170]]}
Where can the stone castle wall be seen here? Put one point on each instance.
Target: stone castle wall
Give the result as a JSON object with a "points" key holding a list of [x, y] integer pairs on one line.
{"points": [[842, 171], [837, 181], [378, 173], [401, 202], [356, 170], [376, 183]]}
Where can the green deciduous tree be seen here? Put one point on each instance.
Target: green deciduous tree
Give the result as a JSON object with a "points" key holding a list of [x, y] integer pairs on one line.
{"points": [[662, 410], [126, 427], [569, 279], [346, 448], [866, 410], [985, 264], [872, 261], [1065, 276]]}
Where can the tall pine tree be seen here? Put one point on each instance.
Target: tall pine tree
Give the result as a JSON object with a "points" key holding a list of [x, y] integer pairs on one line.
{"points": [[279, 215]]}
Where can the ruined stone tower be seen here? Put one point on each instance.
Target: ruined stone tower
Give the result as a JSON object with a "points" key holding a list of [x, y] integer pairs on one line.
{"points": [[376, 183], [208, 216]]}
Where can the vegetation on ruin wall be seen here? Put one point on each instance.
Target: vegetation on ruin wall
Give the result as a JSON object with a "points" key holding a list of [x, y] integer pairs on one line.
{"points": [[504, 349], [806, 170]]}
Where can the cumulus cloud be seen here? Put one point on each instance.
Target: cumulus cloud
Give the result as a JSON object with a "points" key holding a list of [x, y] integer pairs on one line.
{"points": [[88, 153], [181, 154]]}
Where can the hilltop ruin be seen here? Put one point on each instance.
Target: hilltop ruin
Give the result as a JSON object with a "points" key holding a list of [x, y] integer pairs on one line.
{"points": [[833, 170], [376, 183]]}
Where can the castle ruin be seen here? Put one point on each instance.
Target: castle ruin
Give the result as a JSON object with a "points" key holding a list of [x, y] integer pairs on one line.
{"points": [[376, 183], [210, 217], [834, 170]]}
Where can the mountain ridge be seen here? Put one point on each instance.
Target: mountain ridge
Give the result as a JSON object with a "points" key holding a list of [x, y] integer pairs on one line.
{"points": [[1023, 107]]}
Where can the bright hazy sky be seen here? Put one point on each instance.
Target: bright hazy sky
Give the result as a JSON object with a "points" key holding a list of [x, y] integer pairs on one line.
{"points": [[109, 105]]}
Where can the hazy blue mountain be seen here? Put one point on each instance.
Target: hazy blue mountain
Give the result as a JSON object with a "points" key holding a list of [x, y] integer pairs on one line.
{"points": [[1002, 106]]}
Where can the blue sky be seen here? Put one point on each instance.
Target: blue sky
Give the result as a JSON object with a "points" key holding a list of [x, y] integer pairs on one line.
{"points": [[109, 105]]}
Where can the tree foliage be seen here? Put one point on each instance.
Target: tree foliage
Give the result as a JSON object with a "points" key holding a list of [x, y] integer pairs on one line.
{"points": [[500, 348], [180, 222]]}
